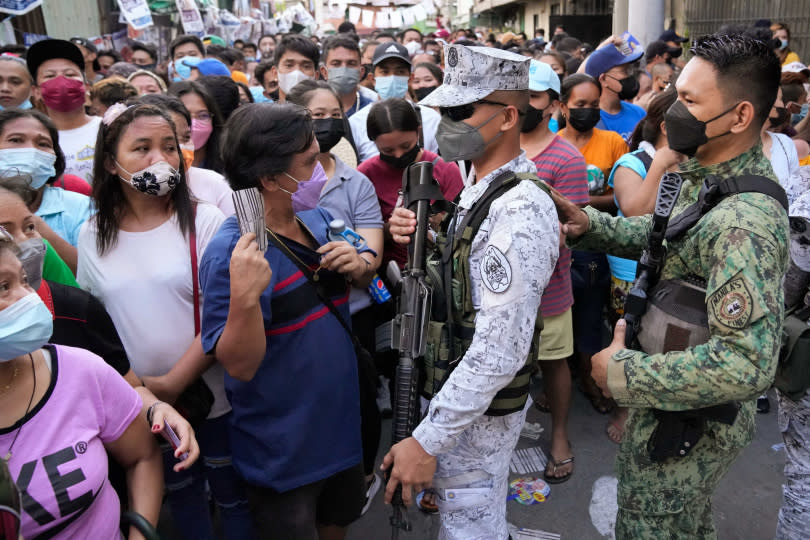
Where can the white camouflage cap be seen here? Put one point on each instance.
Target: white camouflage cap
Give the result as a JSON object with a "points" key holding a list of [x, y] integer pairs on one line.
{"points": [[473, 73]]}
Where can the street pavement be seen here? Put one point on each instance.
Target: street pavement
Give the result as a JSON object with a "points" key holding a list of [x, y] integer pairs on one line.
{"points": [[745, 505]]}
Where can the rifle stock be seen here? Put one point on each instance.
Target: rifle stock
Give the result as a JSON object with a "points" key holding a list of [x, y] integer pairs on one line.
{"points": [[652, 259]]}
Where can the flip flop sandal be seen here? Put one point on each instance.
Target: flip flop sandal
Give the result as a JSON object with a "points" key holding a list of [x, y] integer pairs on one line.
{"points": [[425, 506], [542, 404], [556, 464]]}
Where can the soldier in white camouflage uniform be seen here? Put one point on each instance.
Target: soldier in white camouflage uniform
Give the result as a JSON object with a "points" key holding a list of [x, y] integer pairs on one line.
{"points": [[482, 100], [794, 416]]}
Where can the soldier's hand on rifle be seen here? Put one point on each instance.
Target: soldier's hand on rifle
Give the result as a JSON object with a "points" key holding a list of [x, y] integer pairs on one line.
{"points": [[402, 225], [573, 221], [599, 362], [250, 271], [412, 467]]}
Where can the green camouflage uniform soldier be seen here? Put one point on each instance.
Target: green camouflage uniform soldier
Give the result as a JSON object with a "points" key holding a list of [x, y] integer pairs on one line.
{"points": [[740, 249]]}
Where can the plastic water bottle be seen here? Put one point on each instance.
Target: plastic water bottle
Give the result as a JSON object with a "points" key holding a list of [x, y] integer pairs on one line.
{"points": [[339, 232]]}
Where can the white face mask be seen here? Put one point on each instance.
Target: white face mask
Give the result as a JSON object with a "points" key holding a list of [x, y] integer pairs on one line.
{"points": [[287, 81], [413, 47]]}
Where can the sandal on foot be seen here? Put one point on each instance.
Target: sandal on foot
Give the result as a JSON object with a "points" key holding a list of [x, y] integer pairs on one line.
{"points": [[549, 478], [427, 507]]}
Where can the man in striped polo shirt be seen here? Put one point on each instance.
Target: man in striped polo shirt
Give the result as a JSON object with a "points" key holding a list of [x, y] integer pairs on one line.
{"points": [[561, 166]]}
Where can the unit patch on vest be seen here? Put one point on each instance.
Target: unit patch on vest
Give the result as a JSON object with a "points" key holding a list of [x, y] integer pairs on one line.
{"points": [[496, 273], [733, 304]]}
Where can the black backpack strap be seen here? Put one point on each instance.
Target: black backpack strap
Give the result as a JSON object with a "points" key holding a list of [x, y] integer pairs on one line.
{"points": [[715, 190], [644, 158]]}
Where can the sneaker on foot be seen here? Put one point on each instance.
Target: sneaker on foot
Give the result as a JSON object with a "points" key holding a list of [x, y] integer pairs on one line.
{"points": [[763, 404], [371, 490]]}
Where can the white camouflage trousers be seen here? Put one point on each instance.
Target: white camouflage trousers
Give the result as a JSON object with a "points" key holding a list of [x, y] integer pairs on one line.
{"points": [[794, 423], [472, 480]]}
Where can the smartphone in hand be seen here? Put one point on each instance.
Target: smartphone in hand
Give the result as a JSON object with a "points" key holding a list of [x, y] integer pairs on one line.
{"points": [[171, 436]]}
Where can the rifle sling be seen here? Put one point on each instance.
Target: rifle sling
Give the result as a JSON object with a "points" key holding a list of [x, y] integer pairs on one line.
{"points": [[712, 193]]}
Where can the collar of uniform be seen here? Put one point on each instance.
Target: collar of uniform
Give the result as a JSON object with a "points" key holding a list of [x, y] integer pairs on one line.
{"points": [[752, 161], [473, 191], [52, 202]]}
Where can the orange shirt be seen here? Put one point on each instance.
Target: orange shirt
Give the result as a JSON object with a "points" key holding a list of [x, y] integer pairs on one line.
{"points": [[600, 153]]}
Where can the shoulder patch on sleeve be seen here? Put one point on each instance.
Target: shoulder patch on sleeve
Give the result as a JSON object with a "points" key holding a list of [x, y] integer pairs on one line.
{"points": [[733, 305], [496, 272]]}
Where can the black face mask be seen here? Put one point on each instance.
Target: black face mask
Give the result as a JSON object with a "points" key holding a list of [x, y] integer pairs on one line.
{"points": [[584, 119], [148, 67], [630, 88], [422, 93], [328, 132], [781, 117], [675, 53], [685, 133], [402, 161], [273, 95], [534, 117]]}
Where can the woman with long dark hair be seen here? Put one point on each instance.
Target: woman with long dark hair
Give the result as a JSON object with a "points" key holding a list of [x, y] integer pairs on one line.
{"points": [[206, 123], [139, 256]]}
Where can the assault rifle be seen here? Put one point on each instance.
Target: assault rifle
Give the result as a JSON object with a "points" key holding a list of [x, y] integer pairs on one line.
{"points": [[409, 328], [652, 259]]}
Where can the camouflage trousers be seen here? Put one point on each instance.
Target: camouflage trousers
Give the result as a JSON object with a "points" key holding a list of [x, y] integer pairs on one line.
{"points": [[472, 479], [673, 499], [794, 423]]}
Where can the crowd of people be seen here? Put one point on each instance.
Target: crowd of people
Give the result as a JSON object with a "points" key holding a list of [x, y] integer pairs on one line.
{"points": [[150, 349]]}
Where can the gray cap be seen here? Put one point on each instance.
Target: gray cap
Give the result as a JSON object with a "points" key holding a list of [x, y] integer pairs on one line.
{"points": [[473, 73]]}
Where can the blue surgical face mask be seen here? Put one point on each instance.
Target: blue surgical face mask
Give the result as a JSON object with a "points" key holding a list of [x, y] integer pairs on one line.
{"points": [[36, 163], [783, 43], [25, 326], [24, 105], [393, 86]]}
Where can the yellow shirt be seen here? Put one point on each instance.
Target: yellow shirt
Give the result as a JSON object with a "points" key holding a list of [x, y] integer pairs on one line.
{"points": [[791, 57]]}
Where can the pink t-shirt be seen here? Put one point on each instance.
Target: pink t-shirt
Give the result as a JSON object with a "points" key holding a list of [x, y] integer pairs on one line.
{"points": [[58, 461]]}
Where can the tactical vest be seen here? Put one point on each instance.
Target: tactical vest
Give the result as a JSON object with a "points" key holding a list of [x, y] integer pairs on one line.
{"points": [[452, 325]]}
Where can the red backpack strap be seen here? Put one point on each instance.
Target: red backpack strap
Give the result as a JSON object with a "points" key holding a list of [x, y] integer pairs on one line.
{"points": [[45, 294], [192, 247]]}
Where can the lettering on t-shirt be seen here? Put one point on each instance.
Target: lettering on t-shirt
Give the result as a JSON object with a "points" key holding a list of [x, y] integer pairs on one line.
{"points": [[60, 481]]}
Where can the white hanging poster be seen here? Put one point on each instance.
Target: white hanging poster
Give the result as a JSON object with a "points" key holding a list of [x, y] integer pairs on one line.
{"points": [[354, 14], [136, 13], [368, 18], [396, 19], [407, 16], [190, 17]]}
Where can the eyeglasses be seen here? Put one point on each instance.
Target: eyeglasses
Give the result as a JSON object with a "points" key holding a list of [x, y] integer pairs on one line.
{"points": [[202, 117], [462, 112]]}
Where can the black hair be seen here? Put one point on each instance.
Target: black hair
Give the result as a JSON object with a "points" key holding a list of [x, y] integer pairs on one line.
{"points": [[386, 35], [572, 81], [224, 91], [250, 45], [212, 157], [746, 69], [302, 93], [13, 48], [466, 43], [19, 185], [148, 48], [112, 53], [260, 70], [271, 36], [164, 101], [434, 70], [339, 41], [429, 42], [212, 50], [122, 69], [347, 27], [252, 130], [402, 34], [391, 115], [229, 55], [568, 45], [649, 128], [242, 41], [248, 93], [299, 44], [108, 191], [112, 90], [9, 115], [792, 91], [182, 40]]}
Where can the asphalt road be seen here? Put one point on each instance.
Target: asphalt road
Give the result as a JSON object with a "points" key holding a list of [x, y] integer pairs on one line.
{"points": [[745, 505]]}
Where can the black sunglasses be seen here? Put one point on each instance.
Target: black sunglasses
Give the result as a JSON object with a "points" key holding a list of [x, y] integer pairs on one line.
{"points": [[462, 112]]}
